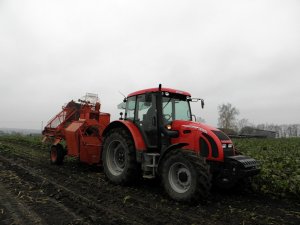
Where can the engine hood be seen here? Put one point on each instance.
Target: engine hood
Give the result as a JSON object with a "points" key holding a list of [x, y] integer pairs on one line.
{"points": [[209, 141], [202, 128], [193, 126]]}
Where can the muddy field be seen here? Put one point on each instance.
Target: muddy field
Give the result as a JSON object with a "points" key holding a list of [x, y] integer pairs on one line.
{"points": [[34, 192]]}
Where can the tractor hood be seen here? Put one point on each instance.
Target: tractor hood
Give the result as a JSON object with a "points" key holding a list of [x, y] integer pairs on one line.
{"points": [[209, 141], [186, 126], [194, 126]]}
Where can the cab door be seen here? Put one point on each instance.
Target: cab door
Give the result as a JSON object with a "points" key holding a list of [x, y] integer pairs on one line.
{"points": [[146, 118]]}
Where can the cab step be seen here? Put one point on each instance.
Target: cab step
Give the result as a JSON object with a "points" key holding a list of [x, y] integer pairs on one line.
{"points": [[150, 164]]}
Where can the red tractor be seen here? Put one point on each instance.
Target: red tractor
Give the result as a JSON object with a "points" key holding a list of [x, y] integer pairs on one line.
{"points": [[156, 138]]}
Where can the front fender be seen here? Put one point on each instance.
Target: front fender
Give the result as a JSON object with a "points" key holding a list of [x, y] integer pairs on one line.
{"points": [[167, 150]]}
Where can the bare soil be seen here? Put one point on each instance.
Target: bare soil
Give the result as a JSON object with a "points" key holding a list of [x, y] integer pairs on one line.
{"points": [[34, 192]]}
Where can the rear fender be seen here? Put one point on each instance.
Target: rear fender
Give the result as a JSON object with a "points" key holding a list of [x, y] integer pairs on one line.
{"points": [[136, 135]]}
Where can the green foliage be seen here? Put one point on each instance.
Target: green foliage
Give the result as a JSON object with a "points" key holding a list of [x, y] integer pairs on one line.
{"points": [[34, 141], [20, 145], [280, 164], [279, 160]]}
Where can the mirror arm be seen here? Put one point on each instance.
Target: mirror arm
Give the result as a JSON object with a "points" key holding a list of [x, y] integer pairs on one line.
{"points": [[194, 116]]}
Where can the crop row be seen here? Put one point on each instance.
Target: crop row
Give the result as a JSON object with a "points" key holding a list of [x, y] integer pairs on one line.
{"points": [[279, 160], [280, 164]]}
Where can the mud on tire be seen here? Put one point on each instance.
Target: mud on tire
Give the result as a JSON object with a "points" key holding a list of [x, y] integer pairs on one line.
{"points": [[119, 157], [185, 176]]}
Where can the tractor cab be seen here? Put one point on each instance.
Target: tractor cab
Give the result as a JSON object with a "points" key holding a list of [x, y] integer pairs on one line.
{"points": [[153, 111], [163, 118]]}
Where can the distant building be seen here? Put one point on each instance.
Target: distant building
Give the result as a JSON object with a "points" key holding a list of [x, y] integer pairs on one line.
{"points": [[258, 133], [229, 132]]}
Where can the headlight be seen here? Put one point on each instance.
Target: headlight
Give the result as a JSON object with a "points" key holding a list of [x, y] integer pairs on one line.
{"points": [[169, 127], [229, 145], [223, 145]]}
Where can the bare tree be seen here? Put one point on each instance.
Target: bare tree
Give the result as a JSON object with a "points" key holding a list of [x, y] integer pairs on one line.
{"points": [[261, 126], [243, 123], [294, 130], [278, 130], [227, 116]]}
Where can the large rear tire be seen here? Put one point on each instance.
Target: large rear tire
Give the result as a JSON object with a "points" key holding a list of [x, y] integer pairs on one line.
{"points": [[185, 176], [57, 154], [119, 157]]}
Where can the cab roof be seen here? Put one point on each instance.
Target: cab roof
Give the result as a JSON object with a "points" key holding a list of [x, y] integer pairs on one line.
{"points": [[170, 90]]}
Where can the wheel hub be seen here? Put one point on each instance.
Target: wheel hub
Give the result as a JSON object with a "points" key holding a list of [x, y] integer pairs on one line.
{"points": [[119, 157], [116, 158], [180, 177]]}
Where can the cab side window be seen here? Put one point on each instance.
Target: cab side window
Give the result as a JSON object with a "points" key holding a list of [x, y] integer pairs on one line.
{"points": [[146, 118], [167, 106], [130, 108]]}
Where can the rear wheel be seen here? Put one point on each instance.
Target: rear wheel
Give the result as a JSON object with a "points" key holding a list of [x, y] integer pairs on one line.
{"points": [[57, 154], [185, 176], [119, 158]]}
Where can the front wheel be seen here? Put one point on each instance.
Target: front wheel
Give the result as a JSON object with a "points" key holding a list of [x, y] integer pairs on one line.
{"points": [[185, 176]]}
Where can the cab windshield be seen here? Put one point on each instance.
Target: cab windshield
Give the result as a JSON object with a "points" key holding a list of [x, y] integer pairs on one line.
{"points": [[175, 107]]}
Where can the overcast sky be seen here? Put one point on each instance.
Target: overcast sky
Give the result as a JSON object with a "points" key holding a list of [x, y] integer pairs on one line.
{"points": [[246, 53]]}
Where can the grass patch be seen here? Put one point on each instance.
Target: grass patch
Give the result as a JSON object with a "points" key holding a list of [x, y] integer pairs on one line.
{"points": [[280, 164], [279, 159], [23, 145]]}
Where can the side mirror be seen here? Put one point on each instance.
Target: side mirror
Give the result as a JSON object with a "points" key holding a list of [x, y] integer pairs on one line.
{"points": [[196, 100], [121, 116], [122, 105]]}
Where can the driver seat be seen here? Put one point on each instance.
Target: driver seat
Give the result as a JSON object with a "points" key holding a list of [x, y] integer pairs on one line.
{"points": [[149, 128]]}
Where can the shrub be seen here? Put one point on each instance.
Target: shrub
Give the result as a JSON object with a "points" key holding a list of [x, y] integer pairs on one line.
{"points": [[280, 164]]}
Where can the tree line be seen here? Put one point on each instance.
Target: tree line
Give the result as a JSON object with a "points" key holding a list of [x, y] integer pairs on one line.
{"points": [[228, 121]]}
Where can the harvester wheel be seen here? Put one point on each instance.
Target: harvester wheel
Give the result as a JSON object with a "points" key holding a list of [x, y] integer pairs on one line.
{"points": [[185, 176], [57, 154], [119, 158]]}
